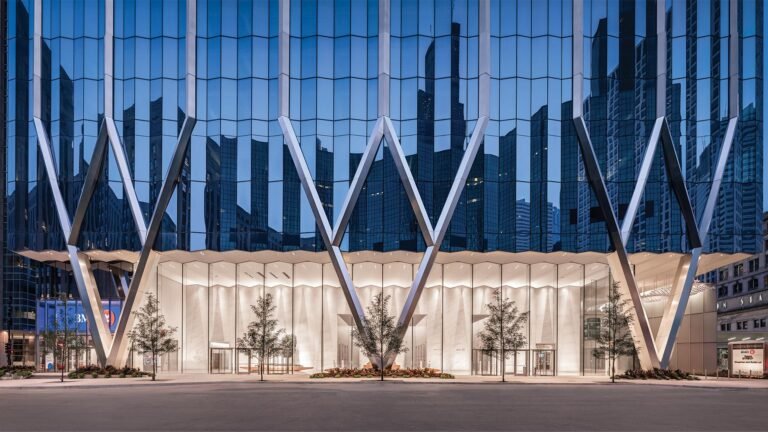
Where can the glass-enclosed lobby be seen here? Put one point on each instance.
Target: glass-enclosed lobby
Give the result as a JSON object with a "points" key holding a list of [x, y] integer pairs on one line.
{"points": [[209, 304]]}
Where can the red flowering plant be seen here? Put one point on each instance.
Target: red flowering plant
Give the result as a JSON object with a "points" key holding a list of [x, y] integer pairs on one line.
{"points": [[371, 373]]}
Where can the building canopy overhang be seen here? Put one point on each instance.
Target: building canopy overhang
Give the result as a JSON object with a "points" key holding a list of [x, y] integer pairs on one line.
{"points": [[649, 267]]}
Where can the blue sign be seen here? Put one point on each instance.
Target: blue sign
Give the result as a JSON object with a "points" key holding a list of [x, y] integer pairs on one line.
{"points": [[53, 314]]}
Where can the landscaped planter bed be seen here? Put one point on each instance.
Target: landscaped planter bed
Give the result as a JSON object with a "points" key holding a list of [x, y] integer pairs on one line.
{"points": [[371, 373], [16, 372], [658, 374], [107, 372]]}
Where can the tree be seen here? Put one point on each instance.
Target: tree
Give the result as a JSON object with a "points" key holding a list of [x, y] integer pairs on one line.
{"points": [[614, 339], [380, 338], [263, 337], [150, 334], [58, 335], [48, 345], [286, 346], [504, 328], [78, 344]]}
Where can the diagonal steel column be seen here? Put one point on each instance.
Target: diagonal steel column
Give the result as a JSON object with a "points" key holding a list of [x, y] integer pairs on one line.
{"points": [[86, 286], [674, 310], [366, 162], [89, 184], [642, 179], [125, 175], [618, 260], [683, 280], [677, 183], [148, 257], [459, 182], [310, 191], [81, 271], [406, 178], [121, 282], [452, 200]]}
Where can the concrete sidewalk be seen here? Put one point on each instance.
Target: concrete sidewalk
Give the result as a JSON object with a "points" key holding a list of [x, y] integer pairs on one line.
{"points": [[51, 380]]}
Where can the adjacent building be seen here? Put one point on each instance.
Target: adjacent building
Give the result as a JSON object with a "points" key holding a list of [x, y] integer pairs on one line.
{"points": [[742, 300]]}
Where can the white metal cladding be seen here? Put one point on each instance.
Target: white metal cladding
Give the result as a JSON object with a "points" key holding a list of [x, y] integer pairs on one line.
{"points": [[655, 351], [384, 129], [109, 350]]}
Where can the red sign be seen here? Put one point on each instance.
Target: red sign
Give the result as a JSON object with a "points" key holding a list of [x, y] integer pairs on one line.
{"points": [[110, 316]]}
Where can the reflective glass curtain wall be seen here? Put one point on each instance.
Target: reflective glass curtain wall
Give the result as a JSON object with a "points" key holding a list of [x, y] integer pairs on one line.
{"points": [[527, 190]]}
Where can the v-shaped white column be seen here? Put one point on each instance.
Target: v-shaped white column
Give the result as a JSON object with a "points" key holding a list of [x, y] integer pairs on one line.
{"points": [[433, 236], [111, 351], [654, 351]]}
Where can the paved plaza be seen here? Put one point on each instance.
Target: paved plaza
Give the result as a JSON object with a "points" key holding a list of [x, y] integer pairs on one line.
{"points": [[464, 405]]}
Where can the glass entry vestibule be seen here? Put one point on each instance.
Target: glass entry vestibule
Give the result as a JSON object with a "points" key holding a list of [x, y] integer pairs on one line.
{"points": [[210, 305]]}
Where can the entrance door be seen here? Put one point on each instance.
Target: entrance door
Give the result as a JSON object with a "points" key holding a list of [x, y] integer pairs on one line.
{"points": [[543, 362], [221, 361], [517, 363], [347, 355]]}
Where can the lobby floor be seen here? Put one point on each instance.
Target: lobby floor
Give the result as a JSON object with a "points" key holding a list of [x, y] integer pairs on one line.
{"points": [[462, 405]]}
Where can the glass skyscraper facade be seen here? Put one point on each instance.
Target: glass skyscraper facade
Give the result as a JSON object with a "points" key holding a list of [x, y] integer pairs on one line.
{"points": [[232, 213]]}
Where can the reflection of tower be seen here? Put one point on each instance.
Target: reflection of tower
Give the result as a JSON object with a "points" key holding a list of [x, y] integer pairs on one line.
{"points": [[383, 218], [646, 230], [507, 190], [291, 203], [259, 195], [596, 113], [619, 153], [750, 137], [540, 212], [18, 200], [620, 175], [212, 194], [446, 162], [670, 214], [737, 216], [522, 225], [221, 193], [423, 163], [45, 210], [324, 184], [575, 195], [66, 155]]}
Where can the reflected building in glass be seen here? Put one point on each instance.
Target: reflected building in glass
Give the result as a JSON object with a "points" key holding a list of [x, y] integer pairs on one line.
{"points": [[273, 190]]}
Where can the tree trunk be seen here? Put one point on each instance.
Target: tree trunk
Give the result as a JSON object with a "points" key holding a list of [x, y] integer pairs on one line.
{"points": [[61, 360], [154, 366], [503, 361], [501, 328], [613, 369]]}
